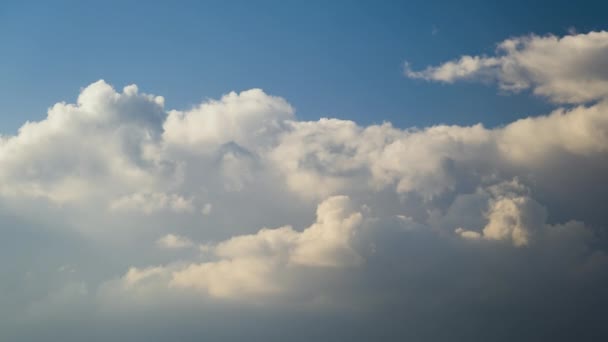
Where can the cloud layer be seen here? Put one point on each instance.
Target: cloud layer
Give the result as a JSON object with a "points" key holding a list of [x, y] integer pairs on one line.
{"points": [[236, 209]]}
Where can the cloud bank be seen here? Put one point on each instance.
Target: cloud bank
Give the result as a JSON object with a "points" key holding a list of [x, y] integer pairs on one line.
{"points": [[190, 224]]}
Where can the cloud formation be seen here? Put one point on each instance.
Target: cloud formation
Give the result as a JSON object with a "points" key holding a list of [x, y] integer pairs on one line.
{"points": [[569, 69], [172, 241], [429, 233]]}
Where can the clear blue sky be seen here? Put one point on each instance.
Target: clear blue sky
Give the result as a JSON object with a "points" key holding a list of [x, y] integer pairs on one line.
{"points": [[328, 58]]}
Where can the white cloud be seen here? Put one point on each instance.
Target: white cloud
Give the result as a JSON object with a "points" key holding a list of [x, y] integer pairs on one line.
{"points": [[467, 234], [105, 138], [511, 215], [149, 203], [394, 207], [135, 275], [247, 118], [569, 69], [464, 68], [172, 241], [254, 264], [260, 264], [578, 131]]}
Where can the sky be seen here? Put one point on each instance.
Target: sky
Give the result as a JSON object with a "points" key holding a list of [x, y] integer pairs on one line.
{"points": [[296, 171], [330, 59]]}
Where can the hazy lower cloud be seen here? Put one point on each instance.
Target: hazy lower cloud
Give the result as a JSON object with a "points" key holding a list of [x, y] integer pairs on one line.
{"points": [[182, 225]]}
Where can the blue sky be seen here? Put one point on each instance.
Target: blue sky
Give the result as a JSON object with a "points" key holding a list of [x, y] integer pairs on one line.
{"points": [[328, 58]]}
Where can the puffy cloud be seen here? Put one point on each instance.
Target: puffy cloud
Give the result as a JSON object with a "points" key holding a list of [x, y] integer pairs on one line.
{"points": [[256, 142], [254, 264], [467, 234], [443, 222], [569, 69], [106, 137], [135, 275], [334, 156], [262, 263], [247, 118], [512, 215], [577, 131]]}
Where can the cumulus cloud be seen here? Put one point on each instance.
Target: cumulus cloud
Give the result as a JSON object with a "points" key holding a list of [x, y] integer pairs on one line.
{"points": [[255, 264], [248, 118], [569, 69], [106, 137], [511, 215], [436, 227]]}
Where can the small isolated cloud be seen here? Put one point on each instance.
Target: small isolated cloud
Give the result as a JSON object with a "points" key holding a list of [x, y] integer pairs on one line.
{"points": [[467, 234], [207, 209], [149, 203], [172, 241]]}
